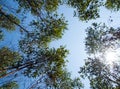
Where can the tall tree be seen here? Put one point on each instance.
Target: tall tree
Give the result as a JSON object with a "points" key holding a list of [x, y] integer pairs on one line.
{"points": [[10, 85], [37, 58], [45, 26], [89, 9], [85, 9], [7, 21], [38, 5], [8, 58], [112, 5], [99, 39], [62, 82], [100, 74]]}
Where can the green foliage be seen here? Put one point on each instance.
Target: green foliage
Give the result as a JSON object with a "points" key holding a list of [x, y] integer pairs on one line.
{"points": [[95, 37], [33, 6], [76, 83], [99, 39], [65, 82], [113, 4], [52, 5], [8, 22], [117, 87], [10, 85], [85, 9], [50, 28], [99, 74], [49, 60], [7, 59], [38, 5], [57, 61], [38, 59], [5, 21], [89, 9]]}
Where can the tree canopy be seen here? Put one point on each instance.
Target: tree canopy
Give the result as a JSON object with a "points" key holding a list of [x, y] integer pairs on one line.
{"points": [[101, 75], [33, 58], [39, 23]]}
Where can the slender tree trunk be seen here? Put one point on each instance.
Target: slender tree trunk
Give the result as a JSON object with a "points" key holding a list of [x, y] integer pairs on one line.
{"points": [[16, 69], [23, 66], [13, 21], [35, 83]]}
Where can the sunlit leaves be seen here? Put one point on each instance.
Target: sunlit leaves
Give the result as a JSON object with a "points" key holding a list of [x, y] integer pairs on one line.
{"points": [[89, 9], [30, 5], [85, 9], [100, 74], [48, 60], [38, 59], [52, 5], [113, 4], [99, 39], [10, 85], [64, 81], [95, 36], [38, 5], [50, 28], [6, 21], [8, 58]]}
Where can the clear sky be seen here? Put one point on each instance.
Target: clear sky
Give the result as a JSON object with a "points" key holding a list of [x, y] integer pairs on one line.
{"points": [[74, 37]]}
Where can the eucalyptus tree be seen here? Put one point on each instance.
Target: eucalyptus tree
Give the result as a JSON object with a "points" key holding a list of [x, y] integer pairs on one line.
{"points": [[8, 58], [7, 21], [10, 85], [100, 37], [61, 82], [102, 75], [45, 26], [39, 5], [87, 10], [112, 5]]}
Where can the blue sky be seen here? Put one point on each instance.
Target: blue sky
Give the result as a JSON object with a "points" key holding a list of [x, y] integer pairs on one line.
{"points": [[73, 39]]}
